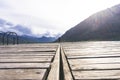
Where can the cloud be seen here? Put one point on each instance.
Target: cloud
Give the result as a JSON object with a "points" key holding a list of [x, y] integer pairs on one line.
{"points": [[2, 22], [8, 26], [3, 4], [53, 16], [38, 26], [27, 30], [24, 30]]}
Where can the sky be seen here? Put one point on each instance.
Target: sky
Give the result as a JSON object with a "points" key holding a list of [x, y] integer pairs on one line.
{"points": [[50, 17]]}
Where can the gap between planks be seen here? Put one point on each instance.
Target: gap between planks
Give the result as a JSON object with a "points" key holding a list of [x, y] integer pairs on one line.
{"points": [[55, 67], [66, 67], [60, 69]]}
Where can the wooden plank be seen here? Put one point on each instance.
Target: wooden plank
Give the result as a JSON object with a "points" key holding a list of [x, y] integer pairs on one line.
{"points": [[25, 60], [94, 75], [26, 57], [52, 45], [29, 47], [55, 67], [91, 53], [24, 65], [93, 50], [93, 44], [26, 49], [92, 56], [28, 52], [80, 67], [23, 74], [20, 46], [66, 69], [94, 60]]}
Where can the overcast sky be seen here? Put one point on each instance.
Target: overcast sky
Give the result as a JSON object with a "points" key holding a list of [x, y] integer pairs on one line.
{"points": [[51, 16]]}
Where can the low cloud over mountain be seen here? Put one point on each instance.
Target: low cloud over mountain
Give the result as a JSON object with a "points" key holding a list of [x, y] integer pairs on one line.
{"points": [[25, 33], [26, 30], [19, 29], [22, 29]]}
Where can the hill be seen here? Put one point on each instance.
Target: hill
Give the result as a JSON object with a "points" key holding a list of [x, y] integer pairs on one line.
{"points": [[103, 25]]}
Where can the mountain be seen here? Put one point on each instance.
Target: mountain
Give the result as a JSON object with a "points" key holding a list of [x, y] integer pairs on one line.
{"points": [[27, 39], [103, 25], [30, 39]]}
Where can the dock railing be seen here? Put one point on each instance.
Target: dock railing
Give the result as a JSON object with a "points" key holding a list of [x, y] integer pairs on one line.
{"points": [[9, 38]]}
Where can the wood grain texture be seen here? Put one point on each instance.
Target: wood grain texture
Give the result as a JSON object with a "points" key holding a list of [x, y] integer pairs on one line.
{"points": [[23, 74], [29, 52], [110, 66], [25, 57], [25, 60], [80, 56], [94, 75], [94, 60], [55, 67], [24, 65], [66, 69]]}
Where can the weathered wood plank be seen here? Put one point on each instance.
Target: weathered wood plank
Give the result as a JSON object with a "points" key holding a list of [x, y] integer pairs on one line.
{"points": [[27, 46], [28, 52], [51, 45], [79, 56], [93, 52], [21, 57], [24, 65], [23, 74], [100, 74], [25, 60], [66, 69], [94, 60], [80, 67], [19, 49], [55, 67]]}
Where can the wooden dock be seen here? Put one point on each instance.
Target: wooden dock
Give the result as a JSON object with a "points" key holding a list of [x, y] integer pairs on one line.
{"points": [[61, 61], [26, 61]]}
